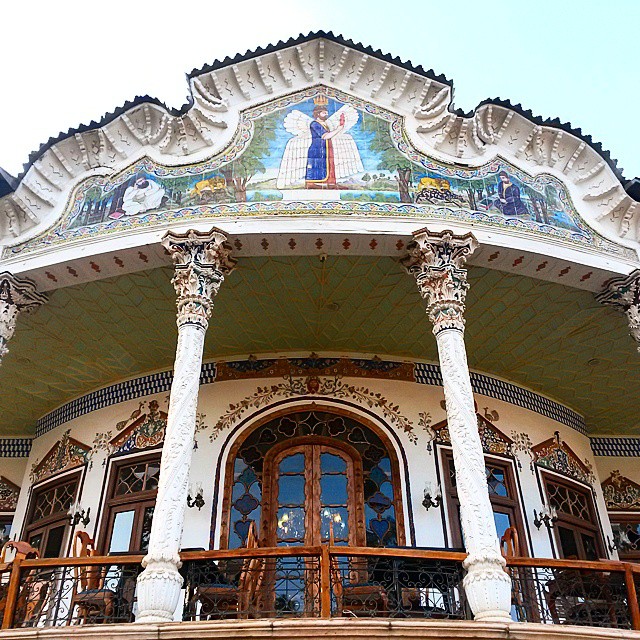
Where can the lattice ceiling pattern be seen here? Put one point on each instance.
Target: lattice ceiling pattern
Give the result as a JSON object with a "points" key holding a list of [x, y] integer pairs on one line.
{"points": [[552, 339]]}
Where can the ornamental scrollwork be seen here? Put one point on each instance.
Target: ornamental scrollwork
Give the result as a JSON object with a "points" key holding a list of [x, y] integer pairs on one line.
{"points": [[201, 261], [17, 295], [436, 260], [624, 294], [314, 386], [621, 493], [65, 454]]}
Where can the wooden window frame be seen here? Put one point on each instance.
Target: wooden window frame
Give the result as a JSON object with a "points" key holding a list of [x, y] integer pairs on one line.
{"points": [[511, 505], [569, 521], [357, 530], [396, 476], [47, 524], [624, 518], [138, 501]]}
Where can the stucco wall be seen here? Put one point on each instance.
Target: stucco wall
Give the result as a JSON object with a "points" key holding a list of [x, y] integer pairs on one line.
{"points": [[411, 399]]}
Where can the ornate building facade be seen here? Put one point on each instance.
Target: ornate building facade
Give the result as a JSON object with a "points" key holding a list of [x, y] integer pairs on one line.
{"points": [[306, 442]]}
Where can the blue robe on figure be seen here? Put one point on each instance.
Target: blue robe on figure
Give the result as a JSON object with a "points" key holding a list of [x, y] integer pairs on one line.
{"points": [[320, 164]]}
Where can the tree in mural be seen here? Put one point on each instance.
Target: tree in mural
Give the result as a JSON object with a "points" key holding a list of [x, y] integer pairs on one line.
{"points": [[238, 173], [539, 204], [390, 158]]}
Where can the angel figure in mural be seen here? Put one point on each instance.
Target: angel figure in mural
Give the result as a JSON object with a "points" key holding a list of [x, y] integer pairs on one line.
{"points": [[321, 151], [143, 195]]}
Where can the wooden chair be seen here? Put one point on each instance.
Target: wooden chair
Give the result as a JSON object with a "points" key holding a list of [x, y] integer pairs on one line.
{"points": [[509, 543], [360, 597], [94, 601], [33, 591], [223, 598]]}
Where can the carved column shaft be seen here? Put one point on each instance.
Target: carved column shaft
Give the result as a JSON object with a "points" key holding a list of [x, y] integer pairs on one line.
{"points": [[16, 295], [436, 261], [201, 261]]}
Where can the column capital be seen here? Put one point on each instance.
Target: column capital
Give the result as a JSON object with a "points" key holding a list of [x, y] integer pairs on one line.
{"points": [[624, 294], [436, 260], [16, 295], [201, 259]]}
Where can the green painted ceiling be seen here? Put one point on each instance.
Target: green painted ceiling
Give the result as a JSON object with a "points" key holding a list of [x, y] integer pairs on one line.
{"points": [[537, 334]]}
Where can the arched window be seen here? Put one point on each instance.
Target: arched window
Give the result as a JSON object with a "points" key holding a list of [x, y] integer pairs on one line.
{"points": [[300, 473]]}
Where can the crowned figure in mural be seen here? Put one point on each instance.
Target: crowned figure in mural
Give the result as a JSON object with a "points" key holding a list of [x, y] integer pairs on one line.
{"points": [[143, 195], [321, 152], [509, 197]]}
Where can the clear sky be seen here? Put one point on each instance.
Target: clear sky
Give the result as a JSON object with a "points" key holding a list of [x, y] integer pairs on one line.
{"points": [[68, 62]]}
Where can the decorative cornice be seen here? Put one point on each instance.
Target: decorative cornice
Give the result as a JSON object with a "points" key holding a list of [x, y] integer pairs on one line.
{"points": [[201, 259], [624, 294], [218, 92], [616, 447], [621, 493], [16, 295], [15, 447], [436, 260]]}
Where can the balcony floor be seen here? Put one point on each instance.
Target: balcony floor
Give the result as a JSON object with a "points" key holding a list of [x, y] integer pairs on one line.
{"points": [[311, 629]]}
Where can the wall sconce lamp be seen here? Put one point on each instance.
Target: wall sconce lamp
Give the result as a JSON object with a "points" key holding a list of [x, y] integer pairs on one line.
{"points": [[620, 542], [547, 516], [198, 501], [77, 515], [432, 497]]}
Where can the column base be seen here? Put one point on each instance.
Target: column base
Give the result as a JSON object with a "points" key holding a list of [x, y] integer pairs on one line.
{"points": [[488, 589], [159, 587]]}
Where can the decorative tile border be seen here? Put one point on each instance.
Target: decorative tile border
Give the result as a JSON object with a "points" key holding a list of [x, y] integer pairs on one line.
{"points": [[114, 394], [501, 390], [15, 447], [422, 374], [621, 447]]}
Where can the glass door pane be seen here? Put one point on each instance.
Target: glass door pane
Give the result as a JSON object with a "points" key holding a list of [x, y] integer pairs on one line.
{"points": [[147, 519], [290, 524], [54, 542], [334, 498]]}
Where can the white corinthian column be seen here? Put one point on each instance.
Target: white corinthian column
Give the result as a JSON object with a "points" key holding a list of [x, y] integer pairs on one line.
{"points": [[436, 260], [201, 262], [16, 295]]}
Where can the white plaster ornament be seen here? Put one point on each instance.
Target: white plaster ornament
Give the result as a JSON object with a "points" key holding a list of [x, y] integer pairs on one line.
{"points": [[16, 295], [201, 262], [624, 294], [436, 260]]}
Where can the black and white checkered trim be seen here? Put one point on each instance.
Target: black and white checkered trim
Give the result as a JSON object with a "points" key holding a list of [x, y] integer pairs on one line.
{"points": [[15, 447], [129, 390], [501, 390], [622, 447]]}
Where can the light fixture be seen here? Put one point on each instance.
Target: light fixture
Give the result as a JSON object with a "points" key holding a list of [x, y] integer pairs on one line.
{"points": [[77, 515], [198, 501], [432, 497], [547, 516]]}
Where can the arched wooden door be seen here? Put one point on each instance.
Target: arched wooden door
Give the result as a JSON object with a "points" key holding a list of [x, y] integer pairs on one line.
{"points": [[314, 486]]}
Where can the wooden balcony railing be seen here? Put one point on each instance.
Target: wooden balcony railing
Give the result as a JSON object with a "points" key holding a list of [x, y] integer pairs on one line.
{"points": [[319, 582]]}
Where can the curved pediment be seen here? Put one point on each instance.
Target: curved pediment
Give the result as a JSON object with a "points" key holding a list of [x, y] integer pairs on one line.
{"points": [[245, 146]]}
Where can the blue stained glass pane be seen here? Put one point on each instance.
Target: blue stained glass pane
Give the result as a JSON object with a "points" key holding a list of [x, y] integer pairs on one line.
{"points": [[377, 475], [385, 465], [387, 489], [330, 463], [238, 468], [293, 463], [333, 490], [247, 477], [291, 490]]}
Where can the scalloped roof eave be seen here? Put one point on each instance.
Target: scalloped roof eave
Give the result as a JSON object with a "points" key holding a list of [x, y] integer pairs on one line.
{"points": [[9, 183]]}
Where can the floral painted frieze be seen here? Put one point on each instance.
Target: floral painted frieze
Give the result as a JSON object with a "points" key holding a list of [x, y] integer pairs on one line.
{"points": [[9, 493], [315, 365], [148, 430], [65, 454], [557, 455], [620, 493], [314, 386]]}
